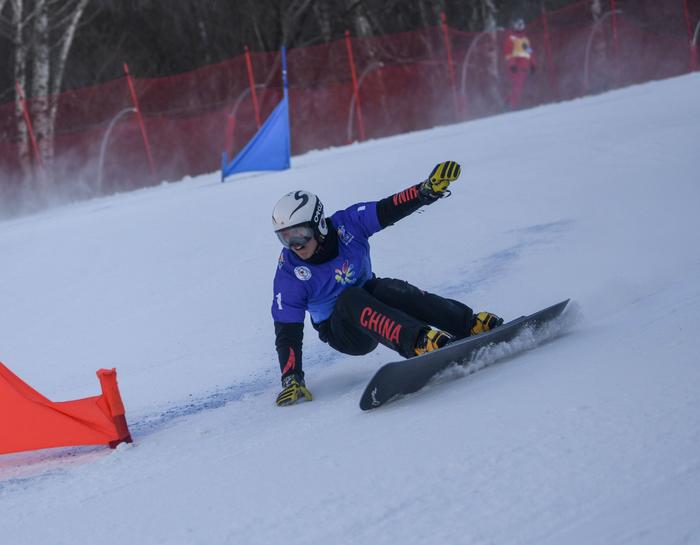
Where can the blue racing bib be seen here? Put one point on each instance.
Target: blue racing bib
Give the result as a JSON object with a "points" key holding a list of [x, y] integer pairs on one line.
{"points": [[300, 286]]}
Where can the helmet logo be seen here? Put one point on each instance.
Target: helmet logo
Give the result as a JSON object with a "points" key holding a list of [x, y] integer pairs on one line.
{"points": [[319, 212], [299, 196]]}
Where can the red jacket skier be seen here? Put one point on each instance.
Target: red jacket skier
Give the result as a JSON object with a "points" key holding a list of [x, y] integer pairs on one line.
{"points": [[519, 59]]}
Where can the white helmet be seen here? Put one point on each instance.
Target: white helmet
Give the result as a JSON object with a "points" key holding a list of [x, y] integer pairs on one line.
{"points": [[297, 217]]}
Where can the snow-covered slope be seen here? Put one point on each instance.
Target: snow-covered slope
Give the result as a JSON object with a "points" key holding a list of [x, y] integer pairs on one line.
{"points": [[593, 438]]}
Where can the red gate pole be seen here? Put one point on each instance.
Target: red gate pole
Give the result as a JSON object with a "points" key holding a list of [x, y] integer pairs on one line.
{"points": [[142, 126], [450, 63], [28, 121], [251, 82], [616, 45], [693, 46], [355, 86], [548, 51]]}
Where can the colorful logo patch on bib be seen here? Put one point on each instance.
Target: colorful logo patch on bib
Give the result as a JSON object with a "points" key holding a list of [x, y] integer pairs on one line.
{"points": [[346, 274]]}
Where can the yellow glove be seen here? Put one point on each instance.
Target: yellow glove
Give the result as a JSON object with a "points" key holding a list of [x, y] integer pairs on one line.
{"points": [[293, 390], [435, 187]]}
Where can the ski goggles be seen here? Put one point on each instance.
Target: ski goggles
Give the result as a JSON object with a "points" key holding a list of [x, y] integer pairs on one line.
{"points": [[298, 235]]}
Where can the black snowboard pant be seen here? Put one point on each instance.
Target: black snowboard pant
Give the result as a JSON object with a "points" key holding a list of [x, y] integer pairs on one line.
{"points": [[391, 312]]}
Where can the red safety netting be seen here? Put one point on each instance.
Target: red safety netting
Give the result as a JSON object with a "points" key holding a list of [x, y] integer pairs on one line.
{"points": [[405, 82]]}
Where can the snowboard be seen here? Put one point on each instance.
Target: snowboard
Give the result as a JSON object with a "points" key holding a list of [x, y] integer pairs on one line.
{"points": [[410, 375]]}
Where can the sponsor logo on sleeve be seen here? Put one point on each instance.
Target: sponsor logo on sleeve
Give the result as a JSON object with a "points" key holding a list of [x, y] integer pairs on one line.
{"points": [[405, 196], [302, 273], [344, 236]]}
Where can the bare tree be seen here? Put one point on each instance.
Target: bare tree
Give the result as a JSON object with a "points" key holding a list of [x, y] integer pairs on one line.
{"points": [[256, 18], [20, 76], [597, 11], [323, 17], [489, 14], [358, 17], [198, 12], [293, 22], [600, 47], [42, 32]]}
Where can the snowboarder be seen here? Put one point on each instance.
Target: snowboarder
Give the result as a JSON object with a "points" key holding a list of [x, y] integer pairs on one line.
{"points": [[519, 59], [325, 269]]}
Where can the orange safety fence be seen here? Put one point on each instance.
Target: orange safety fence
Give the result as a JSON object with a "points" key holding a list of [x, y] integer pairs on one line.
{"points": [[30, 421], [403, 80]]}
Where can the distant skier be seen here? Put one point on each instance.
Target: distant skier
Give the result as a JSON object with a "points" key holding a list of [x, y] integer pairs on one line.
{"points": [[325, 269], [520, 60]]}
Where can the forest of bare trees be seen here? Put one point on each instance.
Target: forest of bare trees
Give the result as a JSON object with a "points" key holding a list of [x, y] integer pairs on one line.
{"points": [[51, 46]]}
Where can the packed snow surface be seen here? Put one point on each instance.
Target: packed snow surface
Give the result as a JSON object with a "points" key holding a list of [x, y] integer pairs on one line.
{"points": [[592, 438]]}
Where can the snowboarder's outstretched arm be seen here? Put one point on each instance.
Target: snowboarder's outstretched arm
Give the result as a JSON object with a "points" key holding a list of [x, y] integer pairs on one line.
{"points": [[398, 206], [288, 342]]}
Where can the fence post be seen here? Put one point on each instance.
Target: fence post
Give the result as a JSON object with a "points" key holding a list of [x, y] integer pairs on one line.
{"points": [[355, 86], [28, 121], [251, 83], [548, 51], [142, 126], [450, 63]]}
